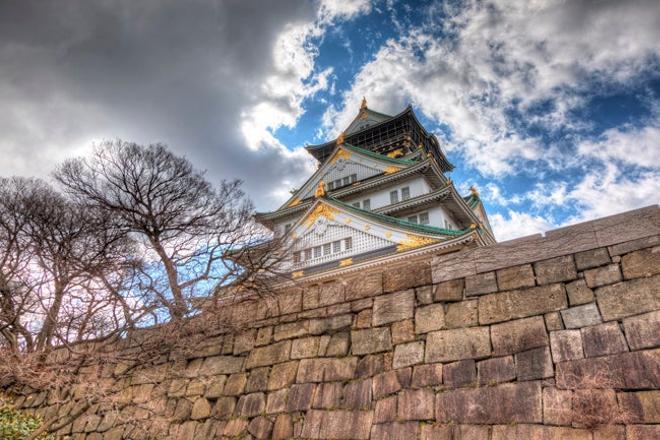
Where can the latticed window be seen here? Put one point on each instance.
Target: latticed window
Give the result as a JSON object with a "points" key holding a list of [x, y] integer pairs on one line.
{"points": [[356, 204], [394, 196], [424, 218], [317, 252], [405, 193], [308, 254], [336, 246], [366, 204], [348, 243], [412, 219], [326, 249], [353, 178], [296, 257]]}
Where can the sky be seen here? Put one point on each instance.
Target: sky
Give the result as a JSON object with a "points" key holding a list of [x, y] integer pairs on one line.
{"points": [[550, 108]]}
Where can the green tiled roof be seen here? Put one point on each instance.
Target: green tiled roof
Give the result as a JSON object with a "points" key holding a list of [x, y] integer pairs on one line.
{"points": [[378, 155], [381, 218]]}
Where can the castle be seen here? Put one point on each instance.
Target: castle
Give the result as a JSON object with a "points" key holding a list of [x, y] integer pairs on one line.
{"points": [[380, 194]]}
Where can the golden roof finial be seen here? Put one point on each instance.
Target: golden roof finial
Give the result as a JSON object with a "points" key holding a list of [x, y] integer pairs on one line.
{"points": [[320, 190], [363, 105], [340, 138], [473, 190]]}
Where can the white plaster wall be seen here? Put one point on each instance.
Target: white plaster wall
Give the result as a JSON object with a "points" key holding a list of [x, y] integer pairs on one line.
{"points": [[381, 197]]}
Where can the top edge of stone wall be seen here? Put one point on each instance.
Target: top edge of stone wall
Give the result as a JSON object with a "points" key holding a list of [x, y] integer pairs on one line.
{"points": [[605, 231]]}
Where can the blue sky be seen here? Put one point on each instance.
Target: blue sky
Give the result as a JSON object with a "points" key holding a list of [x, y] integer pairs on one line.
{"points": [[550, 108]]}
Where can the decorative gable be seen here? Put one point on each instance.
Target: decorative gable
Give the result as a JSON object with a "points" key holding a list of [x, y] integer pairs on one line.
{"points": [[330, 231], [345, 166]]}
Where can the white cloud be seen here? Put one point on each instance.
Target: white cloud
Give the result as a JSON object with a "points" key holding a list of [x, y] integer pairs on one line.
{"points": [[634, 146], [606, 191], [518, 224], [496, 56]]}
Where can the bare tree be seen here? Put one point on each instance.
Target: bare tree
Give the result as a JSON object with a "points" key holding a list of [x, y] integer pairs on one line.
{"points": [[192, 229]]}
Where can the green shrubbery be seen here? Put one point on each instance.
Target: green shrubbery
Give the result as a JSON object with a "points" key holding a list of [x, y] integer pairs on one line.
{"points": [[15, 425]]}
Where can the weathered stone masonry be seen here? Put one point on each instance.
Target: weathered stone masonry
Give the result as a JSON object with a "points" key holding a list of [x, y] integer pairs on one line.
{"points": [[549, 337]]}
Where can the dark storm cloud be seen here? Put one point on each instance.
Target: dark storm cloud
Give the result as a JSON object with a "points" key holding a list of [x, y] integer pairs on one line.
{"points": [[150, 71]]}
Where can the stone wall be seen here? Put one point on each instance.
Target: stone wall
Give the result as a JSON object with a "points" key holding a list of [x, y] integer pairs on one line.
{"points": [[545, 337]]}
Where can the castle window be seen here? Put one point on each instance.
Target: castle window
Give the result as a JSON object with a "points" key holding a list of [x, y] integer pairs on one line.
{"points": [[394, 196], [424, 218], [346, 181], [336, 246], [296, 257], [308, 254], [353, 178], [412, 219], [348, 243], [356, 204], [331, 186], [405, 193], [317, 251], [366, 204], [326, 249]]}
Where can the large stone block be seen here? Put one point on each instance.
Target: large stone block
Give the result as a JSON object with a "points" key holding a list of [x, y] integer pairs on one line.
{"points": [[340, 425], [385, 410], [555, 270], [640, 407], [357, 394], [290, 330], [451, 290], [593, 407], [250, 405], [642, 263], [407, 276], [427, 375], [457, 344], [460, 374], [260, 427], [201, 409], [429, 318], [393, 307], [416, 405], [363, 286], [480, 284], [395, 431], [283, 427], [519, 335], [592, 258], [603, 339], [276, 401], [300, 397], [235, 384], [629, 298], [462, 314], [642, 432], [403, 331], [579, 293], [406, 355], [221, 365], [534, 364], [632, 370], [602, 276], [224, 408], [282, 375], [328, 395], [326, 369], [539, 432], [514, 304], [496, 370], [557, 406], [515, 277], [372, 340], [305, 347], [634, 245], [269, 354], [566, 345], [581, 316], [506, 403], [643, 331], [386, 383]]}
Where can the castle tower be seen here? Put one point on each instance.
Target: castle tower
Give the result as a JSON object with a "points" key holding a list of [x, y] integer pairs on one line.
{"points": [[380, 194]]}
